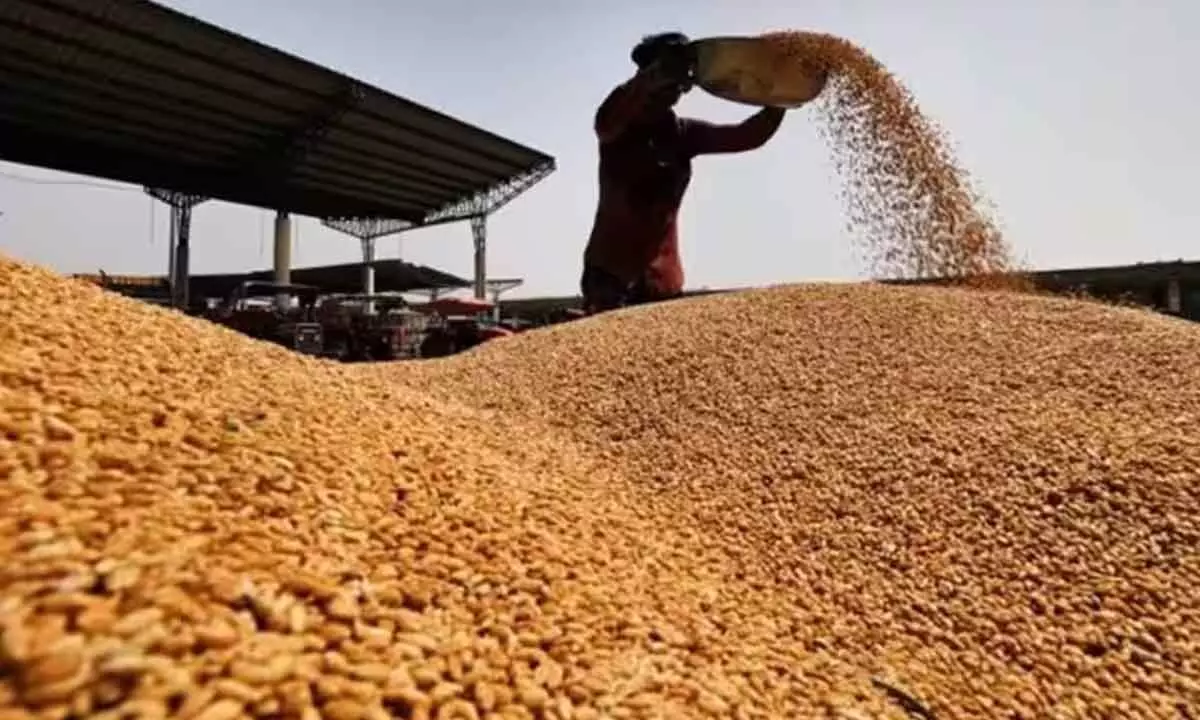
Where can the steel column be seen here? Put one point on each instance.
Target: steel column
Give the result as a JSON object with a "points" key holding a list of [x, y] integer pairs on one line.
{"points": [[479, 234], [181, 279]]}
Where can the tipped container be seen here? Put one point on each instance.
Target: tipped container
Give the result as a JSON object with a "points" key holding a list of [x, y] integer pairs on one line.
{"points": [[755, 71]]}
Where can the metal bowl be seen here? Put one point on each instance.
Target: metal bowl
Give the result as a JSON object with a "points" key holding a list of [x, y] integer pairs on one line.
{"points": [[752, 71]]}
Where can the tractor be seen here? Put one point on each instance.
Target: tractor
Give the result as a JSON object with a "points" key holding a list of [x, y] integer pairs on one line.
{"points": [[253, 309]]}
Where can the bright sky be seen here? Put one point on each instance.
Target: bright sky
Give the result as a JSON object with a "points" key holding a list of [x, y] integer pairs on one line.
{"points": [[1075, 116]]}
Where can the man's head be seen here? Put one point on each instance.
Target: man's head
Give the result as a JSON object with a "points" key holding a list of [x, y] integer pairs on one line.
{"points": [[670, 51]]}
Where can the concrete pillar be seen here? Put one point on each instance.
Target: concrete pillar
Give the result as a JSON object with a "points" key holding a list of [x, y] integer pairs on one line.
{"points": [[368, 273], [479, 235], [283, 255]]}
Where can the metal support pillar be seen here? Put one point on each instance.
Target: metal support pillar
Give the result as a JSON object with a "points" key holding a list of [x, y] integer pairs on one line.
{"points": [[283, 255], [479, 234], [179, 253], [496, 306], [497, 287], [368, 230], [181, 216], [368, 273], [171, 241]]}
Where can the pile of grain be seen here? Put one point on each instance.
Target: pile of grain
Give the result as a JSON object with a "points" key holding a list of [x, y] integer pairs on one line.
{"points": [[763, 505], [989, 497], [910, 206], [202, 526]]}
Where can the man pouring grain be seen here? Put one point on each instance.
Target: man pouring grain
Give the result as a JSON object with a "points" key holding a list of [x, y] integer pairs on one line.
{"points": [[646, 153]]}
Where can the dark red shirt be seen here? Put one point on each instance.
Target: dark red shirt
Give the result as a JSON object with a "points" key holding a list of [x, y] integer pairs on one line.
{"points": [[645, 169]]}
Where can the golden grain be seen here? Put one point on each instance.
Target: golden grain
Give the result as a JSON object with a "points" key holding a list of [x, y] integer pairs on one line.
{"points": [[753, 505], [60, 662], [60, 690], [273, 672], [137, 622], [457, 710], [343, 710], [237, 690], [962, 487], [911, 208], [225, 709]]}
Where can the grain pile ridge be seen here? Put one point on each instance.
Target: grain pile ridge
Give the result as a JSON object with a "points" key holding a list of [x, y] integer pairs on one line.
{"points": [[993, 495], [201, 526]]}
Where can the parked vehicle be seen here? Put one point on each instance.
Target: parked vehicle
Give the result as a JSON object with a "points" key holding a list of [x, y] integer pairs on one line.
{"points": [[458, 324], [253, 309], [392, 331]]}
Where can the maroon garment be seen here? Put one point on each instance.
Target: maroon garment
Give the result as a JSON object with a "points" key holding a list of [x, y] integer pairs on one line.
{"points": [[645, 168], [602, 291]]}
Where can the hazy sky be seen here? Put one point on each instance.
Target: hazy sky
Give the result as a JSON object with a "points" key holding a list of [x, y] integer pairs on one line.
{"points": [[1079, 119]]}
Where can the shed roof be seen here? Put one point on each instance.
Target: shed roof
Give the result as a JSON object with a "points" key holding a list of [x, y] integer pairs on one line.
{"points": [[137, 92]]}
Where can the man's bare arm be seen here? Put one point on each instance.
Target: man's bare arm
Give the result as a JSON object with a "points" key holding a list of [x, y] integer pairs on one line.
{"points": [[705, 138]]}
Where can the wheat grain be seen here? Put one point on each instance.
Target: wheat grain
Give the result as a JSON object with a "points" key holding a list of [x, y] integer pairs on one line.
{"points": [[911, 207]]}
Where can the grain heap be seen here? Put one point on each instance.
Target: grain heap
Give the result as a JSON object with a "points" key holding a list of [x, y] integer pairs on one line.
{"points": [[909, 204], [202, 526], [989, 498], [764, 505]]}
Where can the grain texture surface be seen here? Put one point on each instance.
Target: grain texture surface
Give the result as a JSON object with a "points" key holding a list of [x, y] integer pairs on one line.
{"points": [[996, 492], [203, 526], [843, 502]]}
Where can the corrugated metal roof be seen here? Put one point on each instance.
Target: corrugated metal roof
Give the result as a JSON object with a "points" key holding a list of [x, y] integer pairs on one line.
{"points": [[134, 91]]}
